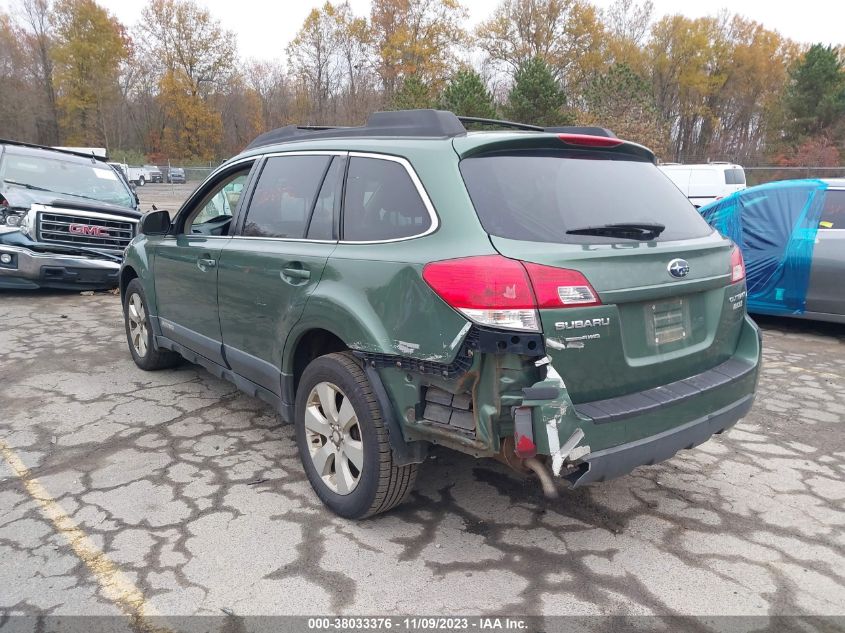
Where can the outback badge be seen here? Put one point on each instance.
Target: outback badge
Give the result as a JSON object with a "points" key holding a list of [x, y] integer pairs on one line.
{"points": [[678, 268]]}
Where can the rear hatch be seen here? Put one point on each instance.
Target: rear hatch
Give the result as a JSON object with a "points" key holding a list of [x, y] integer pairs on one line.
{"points": [[662, 276]]}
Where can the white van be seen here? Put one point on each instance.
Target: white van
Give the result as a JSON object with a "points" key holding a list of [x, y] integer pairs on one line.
{"points": [[703, 184]]}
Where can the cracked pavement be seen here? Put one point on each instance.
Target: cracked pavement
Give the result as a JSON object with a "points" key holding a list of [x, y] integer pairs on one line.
{"points": [[195, 495]]}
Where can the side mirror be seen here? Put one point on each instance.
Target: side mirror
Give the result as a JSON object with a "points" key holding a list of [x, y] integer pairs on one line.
{"points": [[155, 223]]}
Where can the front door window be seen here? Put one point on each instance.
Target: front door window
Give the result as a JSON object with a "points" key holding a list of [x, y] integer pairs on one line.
{"points": [[214, 213]]}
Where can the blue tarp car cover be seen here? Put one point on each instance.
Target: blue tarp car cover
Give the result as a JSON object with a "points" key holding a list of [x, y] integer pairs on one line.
{"points": [[775, 225]]}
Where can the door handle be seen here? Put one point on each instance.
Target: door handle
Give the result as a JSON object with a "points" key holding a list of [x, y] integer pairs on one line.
{"points": [[296, 273], [205, 263]]}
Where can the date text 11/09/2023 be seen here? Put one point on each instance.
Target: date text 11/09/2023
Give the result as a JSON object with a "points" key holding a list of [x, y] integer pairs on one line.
{"points": [[409, 624]]}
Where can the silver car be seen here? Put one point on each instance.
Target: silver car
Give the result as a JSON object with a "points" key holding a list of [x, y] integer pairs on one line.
{"points": [[792, 236]]}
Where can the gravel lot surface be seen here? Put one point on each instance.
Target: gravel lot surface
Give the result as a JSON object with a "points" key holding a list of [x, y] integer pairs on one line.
{"points": [[171, 493]]}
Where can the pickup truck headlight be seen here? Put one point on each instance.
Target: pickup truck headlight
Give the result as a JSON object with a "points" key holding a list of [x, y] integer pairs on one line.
{"points": [[27, 224], [12, 219]]}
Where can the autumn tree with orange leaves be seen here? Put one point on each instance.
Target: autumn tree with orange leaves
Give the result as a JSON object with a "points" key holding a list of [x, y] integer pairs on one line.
{"points": [[719, 87], [197, 57], [90, 46]]}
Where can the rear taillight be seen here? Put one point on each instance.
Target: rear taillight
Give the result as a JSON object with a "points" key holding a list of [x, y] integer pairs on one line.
{"points": [[556, 287], [505, 293], [737, 265], [489, 289]]}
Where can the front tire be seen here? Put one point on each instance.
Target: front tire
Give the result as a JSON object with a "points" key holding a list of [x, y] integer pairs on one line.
{"points": [[139, 334], [343, 441]]}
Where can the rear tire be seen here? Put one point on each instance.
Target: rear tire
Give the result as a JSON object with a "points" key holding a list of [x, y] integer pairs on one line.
{"points": [[139, 334], [141, 181], [340, 430]]}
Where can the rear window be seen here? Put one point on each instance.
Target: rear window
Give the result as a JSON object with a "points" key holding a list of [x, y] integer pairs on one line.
{"points": [[734, 177], [381, 202], [539, 197]]}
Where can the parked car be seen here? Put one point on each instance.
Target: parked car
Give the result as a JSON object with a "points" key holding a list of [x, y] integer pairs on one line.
{"points": [[407, 283], [792, 234], [154, 172], [65, 218], [708, 182], [176, 175]]}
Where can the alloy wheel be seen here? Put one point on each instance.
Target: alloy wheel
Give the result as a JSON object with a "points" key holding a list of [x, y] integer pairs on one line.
{"points": [[333, 435], [137, 324]]}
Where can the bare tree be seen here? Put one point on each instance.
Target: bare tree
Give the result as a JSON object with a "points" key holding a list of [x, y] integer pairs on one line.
{"points": [[36, 14]]}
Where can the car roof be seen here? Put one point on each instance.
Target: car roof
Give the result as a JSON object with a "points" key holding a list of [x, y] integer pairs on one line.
{"points": [[399, 132]]}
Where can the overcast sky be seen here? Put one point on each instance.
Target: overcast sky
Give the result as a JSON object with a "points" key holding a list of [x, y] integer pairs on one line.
{"points": [[264, 27]]}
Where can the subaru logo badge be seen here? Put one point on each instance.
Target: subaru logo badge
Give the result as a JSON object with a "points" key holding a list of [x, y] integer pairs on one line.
{"points": [[678, 268]]}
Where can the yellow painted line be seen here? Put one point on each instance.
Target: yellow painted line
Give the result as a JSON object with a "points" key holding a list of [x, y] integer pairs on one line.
{"points": [[115, 585]]}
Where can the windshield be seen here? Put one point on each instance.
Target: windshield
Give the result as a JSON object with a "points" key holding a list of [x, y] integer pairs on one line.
{"points": [[89, 180], [554, 197]]}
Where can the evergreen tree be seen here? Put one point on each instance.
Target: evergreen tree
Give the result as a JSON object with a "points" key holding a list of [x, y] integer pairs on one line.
{"points": [[815, 96], [536, 96], [623, 101], [414, 94], [466, 95]]}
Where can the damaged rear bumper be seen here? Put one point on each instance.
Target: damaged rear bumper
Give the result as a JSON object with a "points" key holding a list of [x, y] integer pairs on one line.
{"points": [[621, 460], [604, 439], [30, 269]]}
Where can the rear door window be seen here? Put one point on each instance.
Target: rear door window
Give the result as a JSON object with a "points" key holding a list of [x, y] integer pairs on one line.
{"points": [[284, 196], [381, 202], [539, 197], [322, 219], [833, 212]]}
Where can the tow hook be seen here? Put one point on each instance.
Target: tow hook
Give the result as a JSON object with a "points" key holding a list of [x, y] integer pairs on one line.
{"points": [[545, 476]]}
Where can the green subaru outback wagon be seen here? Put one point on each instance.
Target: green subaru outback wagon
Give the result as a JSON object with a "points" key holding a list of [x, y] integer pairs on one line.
{"points": [[546, 297]]}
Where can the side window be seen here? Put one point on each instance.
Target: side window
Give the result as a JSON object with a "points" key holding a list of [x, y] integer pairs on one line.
{"points": [[284, 196], [381, 202], [734, 177], [218, 206], [833, 212], [322, 220]]}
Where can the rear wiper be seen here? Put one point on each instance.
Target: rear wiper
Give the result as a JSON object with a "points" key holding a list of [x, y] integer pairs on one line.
{"points": [[626, 230]]}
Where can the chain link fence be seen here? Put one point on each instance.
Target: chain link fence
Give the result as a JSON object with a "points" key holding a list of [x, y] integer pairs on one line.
{"points": [[761, 175]]}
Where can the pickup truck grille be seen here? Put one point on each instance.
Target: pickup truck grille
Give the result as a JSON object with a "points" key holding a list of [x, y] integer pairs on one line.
{"points": [[67, 228]]}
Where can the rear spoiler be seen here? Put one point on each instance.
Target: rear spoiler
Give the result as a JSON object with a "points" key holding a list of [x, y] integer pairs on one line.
{"points": [[572, 141]]}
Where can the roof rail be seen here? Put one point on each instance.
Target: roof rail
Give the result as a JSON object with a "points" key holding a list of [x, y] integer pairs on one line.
{"points": [[500, 123], [409, 123], [62, 150]]}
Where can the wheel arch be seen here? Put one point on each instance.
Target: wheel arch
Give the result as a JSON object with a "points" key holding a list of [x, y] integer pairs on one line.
{"points": [[127, 274], [309, 345]]}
